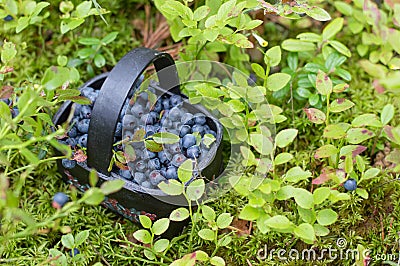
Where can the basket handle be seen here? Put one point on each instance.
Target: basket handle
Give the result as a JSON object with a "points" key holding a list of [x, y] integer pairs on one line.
{"points": [[113, 94]]}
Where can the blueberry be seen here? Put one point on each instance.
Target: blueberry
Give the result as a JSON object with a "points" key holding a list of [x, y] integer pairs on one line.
{"points": [[8, 18], [14, 112], [85, 91], [59, 200], [154, 164], [200, 119], [175, 100], [350, 184], [163, 157], [198, 128], [73, 132], [206, 127], [178, 159], [156, 177], [129, 122], [139, 177], [174, 148], [83, 140], [188, 140], [83, 125], [125, 174], [174, 114], [137, 110], [76, 252], [71, 142], [6, 101], [151, 154], [212, 132], [149, 133], [153, 117], [92, 97], [68, 164], [172, 173], [118, 130], [193, 152], [187, 119], [158, 106], [185, 129], [123, 111], [78, 108], [140, 166], [86, 112], [165, 104], [146, 184]]}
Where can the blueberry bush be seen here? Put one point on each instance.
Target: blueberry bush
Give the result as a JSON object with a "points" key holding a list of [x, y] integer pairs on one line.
{"points": [[307, 94]]}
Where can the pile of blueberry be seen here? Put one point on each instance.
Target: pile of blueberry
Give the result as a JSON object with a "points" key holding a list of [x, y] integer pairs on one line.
{"points": [[166, 115], [77, 135]]}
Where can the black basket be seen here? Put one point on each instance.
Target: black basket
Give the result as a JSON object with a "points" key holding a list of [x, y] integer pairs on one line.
{"points": [[115, 87]]}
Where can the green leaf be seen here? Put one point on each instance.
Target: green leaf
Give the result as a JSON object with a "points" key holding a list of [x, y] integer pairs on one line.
{"points": [[179, 214], [258, 70], [160, 226], [22, 23], [112, 186], [153, 146], [68, 241], [8, 52], [323, 83], [161, 245], [387, 114], [145, 221], [321, 194], [217, 261], [277, 81], [261, 143], [185, 171], [208, 213], [99, 60], [224, 220], [89, 41], [358, 135], [362, 193], [273, 56], [236, 105], [172, 187], [374, 70], [326, 151], [285, 137], [314, 115], [344, 8], [371, 173], [318, 13], [366, 120], [340, 105], [326, 217], [206, 234], [283, 158], [305, 231], [109, 37], [201, 12], [201, 255], [293, 45], [303, 198], [340, 47], [336, 131], [196, 189], [81, 237], [143, 236], [296, 174], [320, 230], [332, 28], [279, 222], [165, 138], [249, 213], [93, 196], [309, 37]]}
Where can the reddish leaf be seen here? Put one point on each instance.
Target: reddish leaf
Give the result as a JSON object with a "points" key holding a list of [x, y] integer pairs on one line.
{"points": [[79, 156], [6, 92], [360, 149], [324, 176], [314, 115], [378, 87], [6, 70]]}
